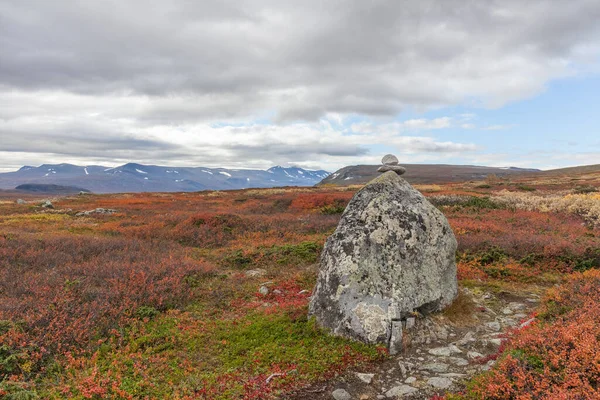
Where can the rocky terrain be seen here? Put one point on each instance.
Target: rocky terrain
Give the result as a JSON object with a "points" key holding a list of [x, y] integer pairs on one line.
{"points": [[442, 352]]}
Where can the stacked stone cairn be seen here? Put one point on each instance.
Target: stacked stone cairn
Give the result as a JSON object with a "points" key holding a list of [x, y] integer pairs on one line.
{"points": [[392, 257], [390, 163]]}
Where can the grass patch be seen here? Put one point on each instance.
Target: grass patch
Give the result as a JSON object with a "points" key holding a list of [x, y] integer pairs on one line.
{"points": [[296, 254], [462, 310], [183, 354]]}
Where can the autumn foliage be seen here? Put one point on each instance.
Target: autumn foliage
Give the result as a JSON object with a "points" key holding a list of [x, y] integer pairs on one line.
{"points": [[161, 299], [558, 357]]}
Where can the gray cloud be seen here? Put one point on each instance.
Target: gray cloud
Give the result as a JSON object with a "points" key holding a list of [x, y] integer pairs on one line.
{"points": [[130, 78], [336, 56]]}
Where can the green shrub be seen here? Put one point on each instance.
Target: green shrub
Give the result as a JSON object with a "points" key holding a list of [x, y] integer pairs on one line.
{"points": [[17, 391], [481, 203], [9, 361], [585, 189], [491, 255], [148, 312], [526, 188], [237, 260], [332, 209]]}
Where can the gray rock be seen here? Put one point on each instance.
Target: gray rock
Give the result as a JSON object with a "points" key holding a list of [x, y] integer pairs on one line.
{"points": [[435, 367], [396, 168], [445, 351], [526, 323], [366, 378], [516, 306], [395, 345], [410, 379], [399, 391], [507, 311], [389, 159], [403, 369], [341, 394], [453, 375], [263, 290], [47, 204], [251, 273], [469, 337], [102, 211], [439, 382], [459, 362], [21, 201], [473, 354], [392, 254], [494, 326]]}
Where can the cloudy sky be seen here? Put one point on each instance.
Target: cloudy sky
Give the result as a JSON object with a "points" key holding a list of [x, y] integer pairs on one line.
{"points": [[318, 84]]}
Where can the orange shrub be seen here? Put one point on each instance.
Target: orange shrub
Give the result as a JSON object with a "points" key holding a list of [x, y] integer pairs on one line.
{"points": [[557, 358]]}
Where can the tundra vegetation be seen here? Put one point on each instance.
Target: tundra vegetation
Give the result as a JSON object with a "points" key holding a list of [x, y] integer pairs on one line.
{"points": [[205, 295]]}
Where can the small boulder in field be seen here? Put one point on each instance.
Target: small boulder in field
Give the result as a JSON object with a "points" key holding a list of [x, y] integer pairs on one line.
{"points": [[392, 254]]}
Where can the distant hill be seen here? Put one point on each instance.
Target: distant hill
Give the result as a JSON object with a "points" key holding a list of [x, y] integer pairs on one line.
{"points": [[422, 173], [584, 169], [49, 189], [153, 178]]}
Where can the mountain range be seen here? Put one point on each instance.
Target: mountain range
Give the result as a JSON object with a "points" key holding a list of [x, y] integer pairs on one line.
{"points": [[133, 177]]}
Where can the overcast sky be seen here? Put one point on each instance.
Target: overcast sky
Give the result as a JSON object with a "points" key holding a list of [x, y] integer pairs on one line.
{"points": [[318, 84]]}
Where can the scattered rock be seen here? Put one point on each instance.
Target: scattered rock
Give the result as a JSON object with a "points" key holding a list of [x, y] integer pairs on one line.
{"points": [[366, 378], [494, 325], [263, 290], [403, 370], [453, 375], [47, 204], [251, 273], [393, 253], [516, 306], [445, 351], [102, 211], [496, 342], [399, 391], [435, 367], [439, 382], [488, 366], [469, 337], [526, 323], [507, 311], [473, 355], [410, 379], [364, 397], [459, 362], [21, 201], [341, 394]]}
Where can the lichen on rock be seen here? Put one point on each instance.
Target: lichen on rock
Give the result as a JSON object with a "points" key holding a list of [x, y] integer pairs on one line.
{"points": [[392, 254]]}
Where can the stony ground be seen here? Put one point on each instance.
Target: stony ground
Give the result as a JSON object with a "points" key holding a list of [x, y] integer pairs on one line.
{"points": [[450, 349]]}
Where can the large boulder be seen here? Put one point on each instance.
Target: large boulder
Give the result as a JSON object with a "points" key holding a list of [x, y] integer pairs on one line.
{"points": [[392, 254]]}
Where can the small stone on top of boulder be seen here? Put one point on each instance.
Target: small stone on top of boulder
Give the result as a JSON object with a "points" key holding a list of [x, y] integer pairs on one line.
{"points": [[390, 163]]}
